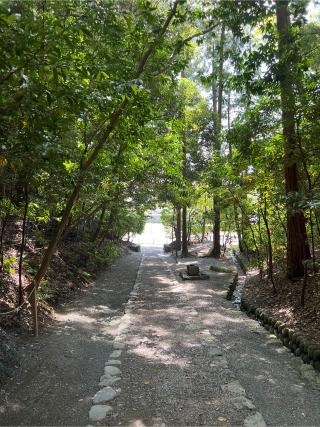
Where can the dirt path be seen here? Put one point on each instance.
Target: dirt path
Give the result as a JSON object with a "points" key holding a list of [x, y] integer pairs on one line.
{"points": [[59, 372], [180, 354]]}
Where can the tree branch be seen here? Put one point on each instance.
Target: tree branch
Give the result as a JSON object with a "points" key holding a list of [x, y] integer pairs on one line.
{"points": [[182, 43]]}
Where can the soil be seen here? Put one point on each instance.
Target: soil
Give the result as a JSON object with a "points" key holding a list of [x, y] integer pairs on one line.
{"points": [[74, 266], [285, 304]]}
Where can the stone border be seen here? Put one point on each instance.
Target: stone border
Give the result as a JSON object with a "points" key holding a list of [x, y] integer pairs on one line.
{"points": [[296, 341], [232, 286], [239, 261], [112, 371]]}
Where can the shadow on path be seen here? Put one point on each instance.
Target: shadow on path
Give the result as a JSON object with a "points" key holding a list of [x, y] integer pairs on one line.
{"points": [[61, 368]]}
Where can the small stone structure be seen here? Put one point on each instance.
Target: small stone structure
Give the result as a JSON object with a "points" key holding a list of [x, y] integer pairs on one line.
{"points": [[193, 273], [193, 270]]}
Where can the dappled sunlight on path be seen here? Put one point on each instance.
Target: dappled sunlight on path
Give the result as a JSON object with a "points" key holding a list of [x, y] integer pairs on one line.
{"points": [[193, 359]]}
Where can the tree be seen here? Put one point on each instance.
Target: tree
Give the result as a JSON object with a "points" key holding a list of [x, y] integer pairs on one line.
{"points": [[298, 249]]}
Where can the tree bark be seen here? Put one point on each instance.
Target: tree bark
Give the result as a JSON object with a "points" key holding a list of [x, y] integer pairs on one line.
{"points": [[216, 251], [101, 218], [297, 244], [184, 251], [238, 228], [23, 241], [178, 230], [203, 234]]}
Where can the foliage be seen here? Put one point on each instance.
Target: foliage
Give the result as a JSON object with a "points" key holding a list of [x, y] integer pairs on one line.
{"points": [[69, 67], [8, 264]]}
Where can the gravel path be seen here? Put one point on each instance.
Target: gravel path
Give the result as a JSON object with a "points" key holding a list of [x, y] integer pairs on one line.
{"points": [[191, 358], [60, 369], [179, 354]]}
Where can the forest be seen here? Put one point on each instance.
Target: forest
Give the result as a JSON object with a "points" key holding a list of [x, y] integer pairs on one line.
{"points": [[108, 108]]}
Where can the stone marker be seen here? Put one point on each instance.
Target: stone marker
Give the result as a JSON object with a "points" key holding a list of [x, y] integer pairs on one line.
{"points": [[99, 412], [111, 370], [104, 395], [193, 270]]}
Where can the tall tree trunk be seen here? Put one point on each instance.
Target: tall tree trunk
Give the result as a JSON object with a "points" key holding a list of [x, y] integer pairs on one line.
{"points": [[178, 229], [297, 245], [184, 251], [312, 242], [216, 250], [189, 227], [203, 234], [184, 243]]}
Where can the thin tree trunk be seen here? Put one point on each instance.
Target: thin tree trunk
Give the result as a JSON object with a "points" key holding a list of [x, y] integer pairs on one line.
{"points": [[297, 245], [84, 216], [3, 229], [23, 241], [189, 227], [317, 220], [261, 240], [282, 223], [216, 250], [111, 223], [173, 230], [243, 215], [270, 251], [236, 220], [2, 234], [102, 215], [178, 230], [312, 242], [203, 226], [184, 251]]}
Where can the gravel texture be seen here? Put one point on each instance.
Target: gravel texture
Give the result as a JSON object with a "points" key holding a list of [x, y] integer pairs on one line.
{"points": [[173, 368], [60, 369], [193, 359], [188, 358]]}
